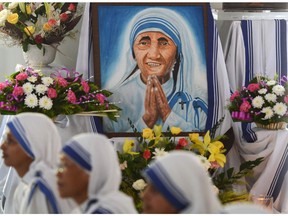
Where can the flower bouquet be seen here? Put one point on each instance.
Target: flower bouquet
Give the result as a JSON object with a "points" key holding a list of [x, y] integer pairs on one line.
{"points": [[264, 101], [37, 23], [28, 90], [154, 143]]}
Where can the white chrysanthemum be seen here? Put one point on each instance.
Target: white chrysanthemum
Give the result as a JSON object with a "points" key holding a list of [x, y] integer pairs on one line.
{"points": [[47, 81], [271, 82], [41, 89], [268, 112], [204, 161], [12, 5], [258, 102], [3, 16], [28, 88], [31, 101], [271, 97], [140, 184], [262, 91], [278, 90], [159, 152], [45, 103], [280, 109], [32, 79]]}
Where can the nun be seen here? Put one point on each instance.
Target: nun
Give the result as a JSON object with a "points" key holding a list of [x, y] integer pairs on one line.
{"points": [[31, 144], [178, 183], [90, 174]]}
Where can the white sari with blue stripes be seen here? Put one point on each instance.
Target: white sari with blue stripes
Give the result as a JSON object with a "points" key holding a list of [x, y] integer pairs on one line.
{"points": [[260, 47]]}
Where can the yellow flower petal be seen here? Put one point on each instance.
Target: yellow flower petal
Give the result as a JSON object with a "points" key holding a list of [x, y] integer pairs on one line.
{"points": [[194, 137], [175, 130], [157, 130], [13, 18], [29, 30], [128, 145], [148, 133]]}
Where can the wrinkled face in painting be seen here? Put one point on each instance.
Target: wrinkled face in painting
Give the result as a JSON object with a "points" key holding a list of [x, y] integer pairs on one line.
{"points": [[155, 54], [72, 180], [155, 203]]}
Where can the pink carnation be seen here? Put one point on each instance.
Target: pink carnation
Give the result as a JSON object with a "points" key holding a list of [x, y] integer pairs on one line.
{"points": [[253, 87], [286, 99], [234, 95], [101, 98], [86, 87], [52, 93], [3, 85], [245, 106], [62, 82], [21, 76], [71, 97], [18, 91]]}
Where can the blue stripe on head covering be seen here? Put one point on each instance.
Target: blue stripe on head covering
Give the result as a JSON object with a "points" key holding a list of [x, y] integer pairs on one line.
{"points": [[156, 23], [78, 154], [158, 178], [19, 133]]}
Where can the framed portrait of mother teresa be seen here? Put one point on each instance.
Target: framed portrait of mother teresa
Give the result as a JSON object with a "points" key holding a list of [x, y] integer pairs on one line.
{"points": [[153, 57]]}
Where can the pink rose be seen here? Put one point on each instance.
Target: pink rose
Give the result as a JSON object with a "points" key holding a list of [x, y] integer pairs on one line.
{"points": [[52, 22], [18, 91], [183, 142], [62, 82], [245, 106], [234, 95], [86, 87], [3, 85], [52, 93], [253, 87], [286, 99], [21, 76], [71, 97], [72, 7], [101, 98], [63, 17]]}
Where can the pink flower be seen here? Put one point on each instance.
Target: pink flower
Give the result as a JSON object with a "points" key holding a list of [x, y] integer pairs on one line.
{"points": [[62, 82], [2, 86], [214, 165], [286, 99], [245, 106], [86, 87], [21, 76], [52, 22], [18, 91], [234, 95], [38, 39], [253, 87], [101, 98], [52, 93], [71, 7], [182, 142], [71, 97], [63, 17], [146, 154]]}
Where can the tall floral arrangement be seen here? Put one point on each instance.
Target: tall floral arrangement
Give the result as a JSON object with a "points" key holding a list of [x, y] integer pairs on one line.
{"points": [[262, 101], [37, 23], [153, 143], [28, 90]]}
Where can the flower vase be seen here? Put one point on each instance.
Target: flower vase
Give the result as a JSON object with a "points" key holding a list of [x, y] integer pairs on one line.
{"points": [[40, 58], [273, 126]]}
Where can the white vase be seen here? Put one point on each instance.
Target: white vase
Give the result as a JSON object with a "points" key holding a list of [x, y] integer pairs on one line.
{"points": [[37, 58]]}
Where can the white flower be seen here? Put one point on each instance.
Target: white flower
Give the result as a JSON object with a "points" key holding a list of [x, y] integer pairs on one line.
{"points": [[32, 79], [124, 165], [159, 152], [262, 91], [257, 102], [204, 161], [41, 89], [31, 101], [270, 97], [28, 88], [45, 103], [280, 109], [271, 82], [12, 5], [47, 81], [3, 16], [278, 90], [140, 184], [268, 112]]}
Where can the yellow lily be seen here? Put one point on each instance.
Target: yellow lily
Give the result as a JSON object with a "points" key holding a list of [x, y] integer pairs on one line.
{"points": [[199, 145], [127, 147], [216, 153], [175, 130], [148, 133]]}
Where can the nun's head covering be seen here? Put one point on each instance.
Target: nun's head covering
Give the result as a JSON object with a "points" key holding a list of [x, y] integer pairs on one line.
{"points": [[38, 136], [192, 70], [95, 154], [182, 180]]}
